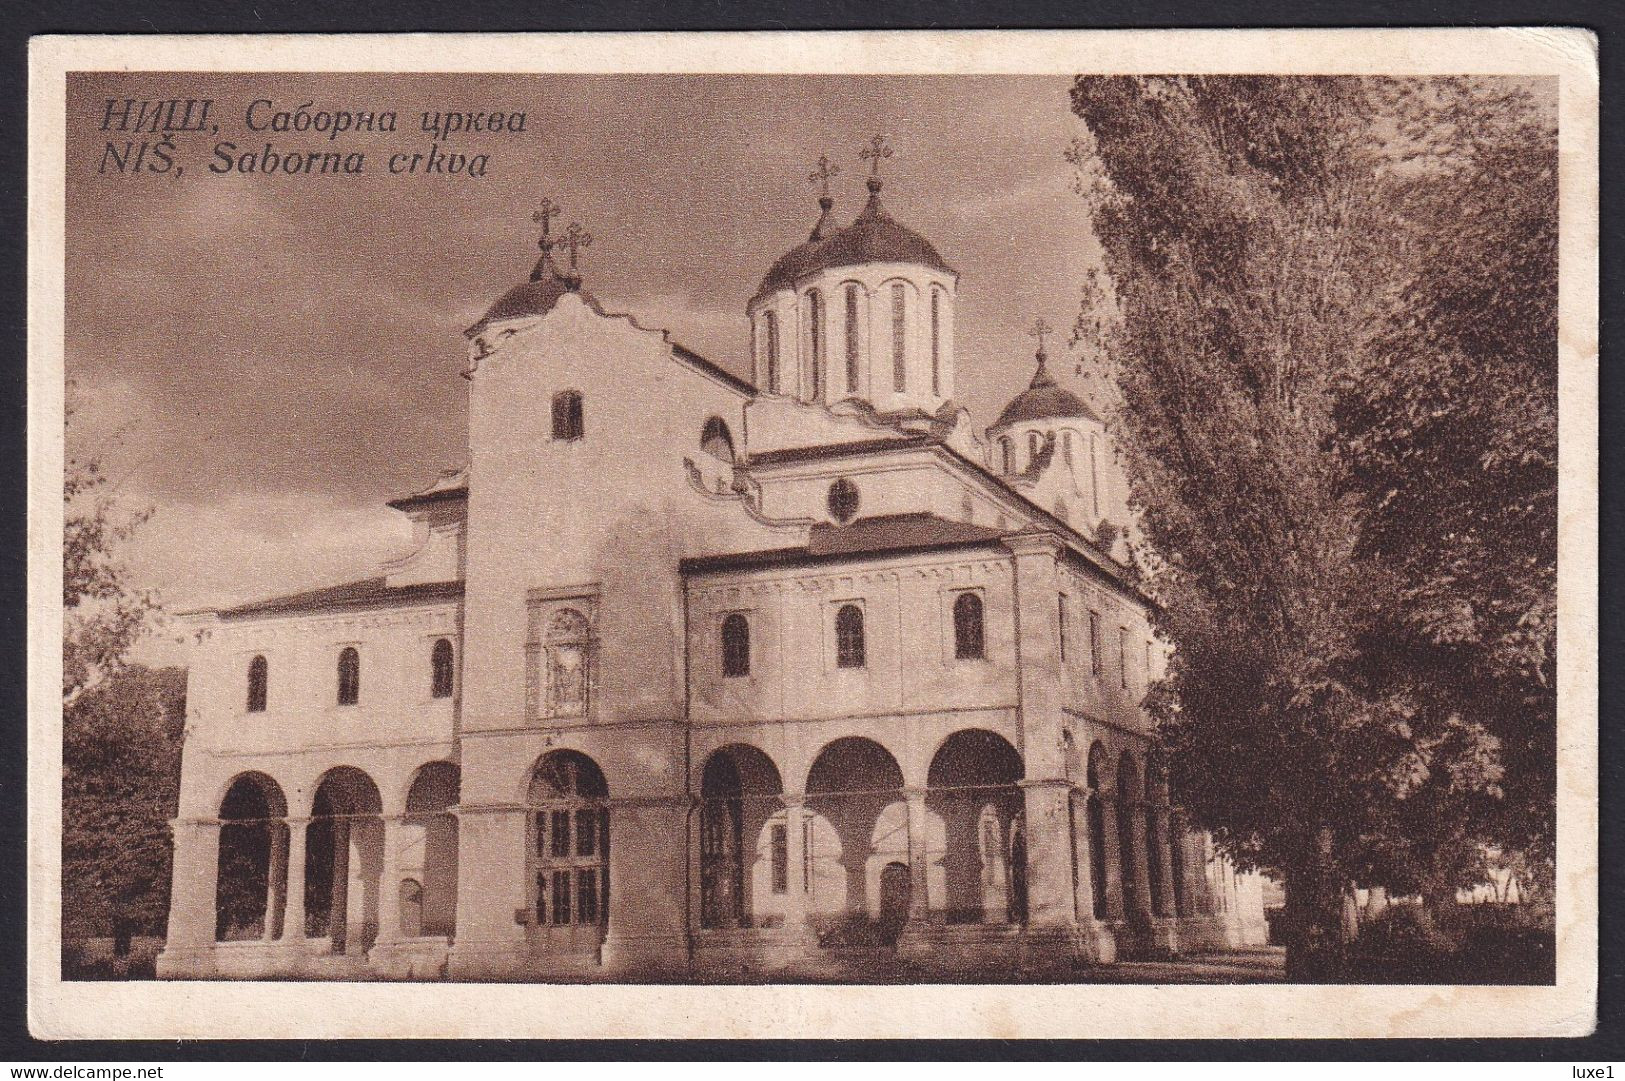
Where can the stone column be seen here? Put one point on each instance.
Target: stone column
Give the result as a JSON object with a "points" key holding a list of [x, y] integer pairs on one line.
{"points": [[919, 900], [1116, 900], [1142, 874], [796, 898], [1049, 855], [293, 916], [276, 880], [1165, 856], [192, 896], [389, 882], [1083, 889]]}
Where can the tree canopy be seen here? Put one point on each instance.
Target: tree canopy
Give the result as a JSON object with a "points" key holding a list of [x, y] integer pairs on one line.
{"points": [[1343, 475]]}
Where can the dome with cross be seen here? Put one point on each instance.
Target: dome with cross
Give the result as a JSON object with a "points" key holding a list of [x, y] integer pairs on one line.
{"points": [[874, 237], [547, 282], [862, 312]]}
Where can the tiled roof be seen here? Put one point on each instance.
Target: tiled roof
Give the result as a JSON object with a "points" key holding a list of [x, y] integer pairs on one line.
{"points": [[875, 237], [1044, 399], [368, 593], [841, 450], [889, 534]]}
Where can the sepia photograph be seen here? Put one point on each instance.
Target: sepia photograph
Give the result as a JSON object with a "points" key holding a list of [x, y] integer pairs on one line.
{"points": [[801, 530]]}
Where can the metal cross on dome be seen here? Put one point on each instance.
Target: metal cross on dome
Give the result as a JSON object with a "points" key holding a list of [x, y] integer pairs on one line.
{"points": [[823, 173], [576, 238], [874, 152], [1039, 330], [544, 217]]}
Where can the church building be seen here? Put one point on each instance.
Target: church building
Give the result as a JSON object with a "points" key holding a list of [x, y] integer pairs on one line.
{"points": [[701, 677]]}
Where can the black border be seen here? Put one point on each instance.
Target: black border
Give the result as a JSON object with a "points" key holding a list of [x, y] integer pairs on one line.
{"points": [[380, 16]]}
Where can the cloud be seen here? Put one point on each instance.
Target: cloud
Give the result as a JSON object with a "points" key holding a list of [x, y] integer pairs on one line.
{"points": [[271, 357]]}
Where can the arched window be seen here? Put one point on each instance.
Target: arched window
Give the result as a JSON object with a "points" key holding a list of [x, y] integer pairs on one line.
{"points": [[899, 338], [815, 345], [1066, 449], [349, 676], [849, 644], [1035, 443], [569, 827], [567, 418], [1007, 451], [936, 341], [967, 626], [443, 672], [771, 321], [258, 680], [716, 440], [735, 646], [851, 339]]}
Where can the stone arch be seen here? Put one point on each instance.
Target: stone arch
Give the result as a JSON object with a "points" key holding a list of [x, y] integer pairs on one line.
{"points": [[740, 798], [971, 787], [859, 824], [344, 852], [251, 878], [429, 847]]}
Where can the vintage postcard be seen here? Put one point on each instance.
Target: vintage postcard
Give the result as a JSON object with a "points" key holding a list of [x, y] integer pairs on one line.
{"points": [[1043, 534]]}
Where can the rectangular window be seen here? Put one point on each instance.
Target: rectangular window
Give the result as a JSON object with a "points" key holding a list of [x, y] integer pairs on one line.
{"points": [[541, 834], [1148, 662], [1060, 611], [815, 342], [781, 858], [772, 320], [936, 342], [586, 832], [1094, 478], [541, 898], [851, 339], [587, 896], [1094, 643], [561, 833], [899, 340], [1122, 656], [561, 897]]}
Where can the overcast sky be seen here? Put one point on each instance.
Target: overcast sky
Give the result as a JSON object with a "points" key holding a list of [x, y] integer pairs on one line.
{"points": [[265, 360]]}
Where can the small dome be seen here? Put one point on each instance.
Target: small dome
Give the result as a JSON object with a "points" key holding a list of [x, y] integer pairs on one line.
{"points": [[534, 297], [1044, 399], [875, 237]]}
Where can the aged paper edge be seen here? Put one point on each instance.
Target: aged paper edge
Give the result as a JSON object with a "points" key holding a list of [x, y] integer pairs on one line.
{"points": [[146, 1010]]}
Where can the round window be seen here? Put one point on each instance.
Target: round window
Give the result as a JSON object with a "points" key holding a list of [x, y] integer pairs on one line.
{"points": [[843, 500]]}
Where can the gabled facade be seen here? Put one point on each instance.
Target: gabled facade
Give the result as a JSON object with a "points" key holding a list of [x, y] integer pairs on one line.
{"points": [[690, 675]]}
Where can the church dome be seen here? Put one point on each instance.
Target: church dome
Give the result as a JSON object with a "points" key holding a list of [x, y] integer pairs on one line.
{"points": [[546, 285], [875, 237], [1044, 399]]}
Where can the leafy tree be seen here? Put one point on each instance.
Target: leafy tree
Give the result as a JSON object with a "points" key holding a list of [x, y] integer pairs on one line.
{"points": [[1450, 432], [103, 616], [120, 784], [1264, 268]]}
